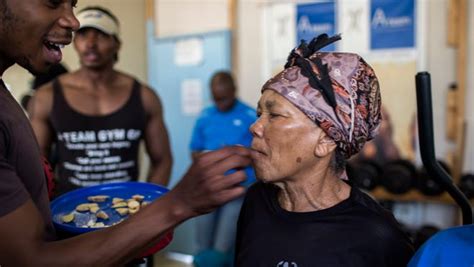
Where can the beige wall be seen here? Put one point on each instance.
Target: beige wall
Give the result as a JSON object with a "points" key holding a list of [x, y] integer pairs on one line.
{"points": [[397, 88], [469, 156], [250, 72], [131, 14], [179, 17], [442, 66]]}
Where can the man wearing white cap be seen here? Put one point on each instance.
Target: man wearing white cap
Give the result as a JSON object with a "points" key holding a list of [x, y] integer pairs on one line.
{"points": [[88, 112]]}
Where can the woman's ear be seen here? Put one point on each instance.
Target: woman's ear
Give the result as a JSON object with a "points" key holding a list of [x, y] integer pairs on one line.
{"points": [[325, 146]]}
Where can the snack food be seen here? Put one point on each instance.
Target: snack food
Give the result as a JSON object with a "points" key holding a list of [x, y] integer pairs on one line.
{"points": [[102, 215], [68, 218], [103, 211], [122, 211], [119, 205], [116, 200], [98, 198]]}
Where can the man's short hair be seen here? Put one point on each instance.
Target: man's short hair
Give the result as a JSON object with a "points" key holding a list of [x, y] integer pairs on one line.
{"points": [[223, 77]]}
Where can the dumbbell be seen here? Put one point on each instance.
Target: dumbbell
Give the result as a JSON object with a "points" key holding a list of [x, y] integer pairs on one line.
{"points": [[426, 185], [398, 176], [364, 174], [466, 184]]}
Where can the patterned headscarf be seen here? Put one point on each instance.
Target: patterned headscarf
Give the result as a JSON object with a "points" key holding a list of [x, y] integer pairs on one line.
{"points": [[338, 91]]}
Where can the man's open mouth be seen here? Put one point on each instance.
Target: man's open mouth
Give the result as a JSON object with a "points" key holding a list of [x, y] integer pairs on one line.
{"points": [[53, 46], [52, 50]]}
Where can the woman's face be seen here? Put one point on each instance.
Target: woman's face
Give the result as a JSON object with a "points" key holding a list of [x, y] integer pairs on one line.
{"points": [[284, 140]]}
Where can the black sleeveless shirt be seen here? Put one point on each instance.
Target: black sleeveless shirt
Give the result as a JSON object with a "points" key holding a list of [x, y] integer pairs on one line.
{"points": [[94, 150]]}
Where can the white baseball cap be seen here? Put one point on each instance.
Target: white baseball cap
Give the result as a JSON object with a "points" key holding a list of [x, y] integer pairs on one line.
{"points": [[98, 19]]}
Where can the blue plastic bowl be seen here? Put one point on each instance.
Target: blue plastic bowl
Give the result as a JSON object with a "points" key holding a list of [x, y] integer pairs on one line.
{"points": [[67, 203]]}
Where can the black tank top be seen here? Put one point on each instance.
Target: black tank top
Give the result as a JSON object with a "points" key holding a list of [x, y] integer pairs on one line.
{"points": [[94, 150]]}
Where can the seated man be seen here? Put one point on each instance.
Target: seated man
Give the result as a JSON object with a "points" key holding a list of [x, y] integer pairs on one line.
{"points": [[223, 124], [313, 116], [450, 247]]}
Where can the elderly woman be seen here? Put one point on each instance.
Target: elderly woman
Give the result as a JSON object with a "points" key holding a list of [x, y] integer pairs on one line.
{"points": [[313, 116]]}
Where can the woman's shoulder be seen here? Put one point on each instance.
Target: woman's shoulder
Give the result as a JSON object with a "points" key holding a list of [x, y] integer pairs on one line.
{"points": [[260, 194], [258, 188], [365, 202], [377, 222]]}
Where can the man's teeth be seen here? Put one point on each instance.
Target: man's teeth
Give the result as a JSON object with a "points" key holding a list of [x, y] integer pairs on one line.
{"points": [[59, 46]]}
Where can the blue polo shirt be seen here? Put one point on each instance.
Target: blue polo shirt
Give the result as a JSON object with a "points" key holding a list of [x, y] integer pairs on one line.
{"points": [[215, 129], [450, 247]]}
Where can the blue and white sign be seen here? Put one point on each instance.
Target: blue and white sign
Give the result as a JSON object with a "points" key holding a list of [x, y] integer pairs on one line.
{"points": [[315, 19], [392, 24]]}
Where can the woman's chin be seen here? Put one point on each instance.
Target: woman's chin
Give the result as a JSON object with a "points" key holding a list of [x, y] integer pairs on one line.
{"points": [[264, 178]]}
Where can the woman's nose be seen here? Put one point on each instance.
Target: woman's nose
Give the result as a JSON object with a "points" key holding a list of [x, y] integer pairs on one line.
{"points": [[257, 128]]}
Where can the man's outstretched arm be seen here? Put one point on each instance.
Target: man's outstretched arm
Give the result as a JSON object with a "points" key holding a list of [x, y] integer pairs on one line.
{"points": [[201, 190]]}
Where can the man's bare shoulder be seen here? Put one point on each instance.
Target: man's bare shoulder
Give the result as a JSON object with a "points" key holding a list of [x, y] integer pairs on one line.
{"points": [[123, 79], [41, 104], [151, 100], [148, 91], [45, 90], [70, 80], [44, 94]]}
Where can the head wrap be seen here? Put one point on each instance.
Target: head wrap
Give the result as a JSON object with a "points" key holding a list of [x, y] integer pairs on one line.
{"points": [[338, 91]]}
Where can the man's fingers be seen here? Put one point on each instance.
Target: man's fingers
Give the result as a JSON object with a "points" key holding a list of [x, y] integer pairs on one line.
{"points": [[222, 182], [212, 157], [232, 162], [229, 194]]}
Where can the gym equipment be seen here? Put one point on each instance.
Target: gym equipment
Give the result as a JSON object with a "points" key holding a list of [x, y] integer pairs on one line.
{"points": [[426, 185], [466, 184], [398, 176], [454, 246], [364, 174], [427, 148]]}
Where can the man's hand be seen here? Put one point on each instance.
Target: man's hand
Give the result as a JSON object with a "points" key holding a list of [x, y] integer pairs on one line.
{"points": [[205, 187], [202, 189]]}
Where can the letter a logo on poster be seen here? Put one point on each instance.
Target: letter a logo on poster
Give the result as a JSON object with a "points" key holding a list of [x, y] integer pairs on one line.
{"points": [[315, 19], [392, 24]]}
